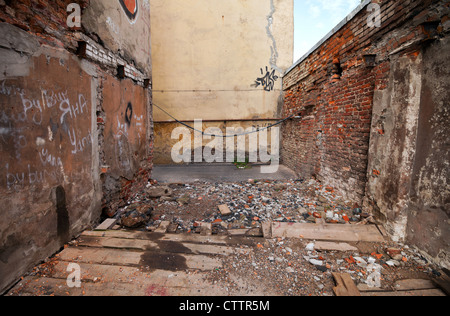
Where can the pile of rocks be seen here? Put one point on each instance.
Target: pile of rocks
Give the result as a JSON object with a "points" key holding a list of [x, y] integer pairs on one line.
{"points": [[301, 268], [295, 266], [250, 203]]}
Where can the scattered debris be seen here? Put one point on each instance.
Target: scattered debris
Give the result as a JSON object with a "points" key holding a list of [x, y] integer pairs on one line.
{"points": [[107, 224], [224, 210], [303, 265], [246, 205], [163, 226], [157, 192], [136, 216], [345, 285], [184, 200]]}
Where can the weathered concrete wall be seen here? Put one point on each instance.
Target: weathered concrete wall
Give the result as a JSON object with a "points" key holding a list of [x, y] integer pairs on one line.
{"points": [[408, 173], [375, 102], [125, 105], [393, 147], [126, 137], [49, 179], [220, 60], [123, 27], [65, 127], [408, 187], [429, 206]]}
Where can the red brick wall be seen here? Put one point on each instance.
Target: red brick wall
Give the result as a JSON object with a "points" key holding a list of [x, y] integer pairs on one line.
{"points": [[331, 141], [45, 18]]}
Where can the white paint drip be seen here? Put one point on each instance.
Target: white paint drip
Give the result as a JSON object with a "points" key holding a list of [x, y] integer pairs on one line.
{"points": [[273, 48], [50, 134], [40, 141]]}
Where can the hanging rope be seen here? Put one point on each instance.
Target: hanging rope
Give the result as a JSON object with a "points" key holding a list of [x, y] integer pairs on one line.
{"points": [[224, 136]]}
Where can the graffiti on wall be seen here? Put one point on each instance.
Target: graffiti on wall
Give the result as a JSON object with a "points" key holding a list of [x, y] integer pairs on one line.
{"points": [[267, 81], [131, 9], [29, 129], [129, 114]]}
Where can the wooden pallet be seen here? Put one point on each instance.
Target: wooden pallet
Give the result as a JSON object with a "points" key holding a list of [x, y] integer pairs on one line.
{"points": [[409, 287], [327, 232], [127, 263]]}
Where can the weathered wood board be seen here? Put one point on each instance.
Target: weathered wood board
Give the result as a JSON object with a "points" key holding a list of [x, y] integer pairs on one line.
{"points": [[330, 232]]}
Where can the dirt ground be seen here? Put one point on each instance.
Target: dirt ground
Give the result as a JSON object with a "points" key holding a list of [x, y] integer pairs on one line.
{"points": [[114, 261], [283, 264]]}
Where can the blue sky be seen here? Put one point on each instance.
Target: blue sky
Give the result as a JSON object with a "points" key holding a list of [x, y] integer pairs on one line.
{"points": [[315, 18]]}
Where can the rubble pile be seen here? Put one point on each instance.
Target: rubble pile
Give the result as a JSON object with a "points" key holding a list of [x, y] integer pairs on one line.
{"points": [[250, 203], [294, 266]]}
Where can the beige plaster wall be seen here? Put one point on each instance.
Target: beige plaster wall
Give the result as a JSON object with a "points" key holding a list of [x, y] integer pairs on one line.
{"points": [[208, 54]]}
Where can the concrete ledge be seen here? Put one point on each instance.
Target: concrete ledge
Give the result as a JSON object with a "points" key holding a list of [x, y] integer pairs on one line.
{"points": [[215, 173]]}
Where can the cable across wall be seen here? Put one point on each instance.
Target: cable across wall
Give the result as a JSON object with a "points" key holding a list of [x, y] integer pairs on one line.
{"points": [[224, 136]]}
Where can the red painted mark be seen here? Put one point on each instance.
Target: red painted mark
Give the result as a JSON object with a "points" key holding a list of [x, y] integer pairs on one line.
{"points": [[130, 5], [156, 290]]}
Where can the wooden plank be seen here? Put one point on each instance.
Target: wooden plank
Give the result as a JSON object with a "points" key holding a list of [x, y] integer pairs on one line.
{"points": [[107, 224], [120, 234], [267, 229], [362, 287], [195, 238], [93, 272], [430, 292], [34, 286], [333, 246], [101, 256], [414, 284], [149, 260], [96, 273], [344, 285], [238, 231], [164, 246], [162, 227], [331, 232], [443, 283]]}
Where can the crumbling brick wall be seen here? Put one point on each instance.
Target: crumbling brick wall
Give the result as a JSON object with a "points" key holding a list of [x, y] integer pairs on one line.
{"points": [[333, 88], [74, 112], [45, 19], [361, 96]]}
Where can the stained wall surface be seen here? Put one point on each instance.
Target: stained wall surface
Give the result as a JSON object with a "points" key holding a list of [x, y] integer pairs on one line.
{"points": [[374, 104], [70, 121], [219, 60], [124, 28]]}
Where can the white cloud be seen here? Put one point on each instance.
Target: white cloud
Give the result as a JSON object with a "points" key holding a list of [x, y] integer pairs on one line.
{"points": [[335, 10], [315, 11], [315, 18], [320, 25]]}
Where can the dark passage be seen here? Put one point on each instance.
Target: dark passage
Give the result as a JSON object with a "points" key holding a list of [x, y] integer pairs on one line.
{"points": [[63, 222]]}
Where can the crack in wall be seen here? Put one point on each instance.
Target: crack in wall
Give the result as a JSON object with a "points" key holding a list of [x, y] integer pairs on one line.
{"points": [[273, 49]]}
